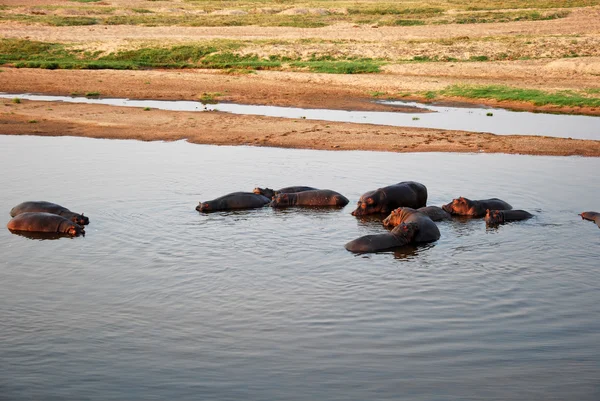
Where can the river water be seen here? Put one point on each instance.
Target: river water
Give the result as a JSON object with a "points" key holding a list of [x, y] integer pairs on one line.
{"points": [[160, 302], [473, 119]]}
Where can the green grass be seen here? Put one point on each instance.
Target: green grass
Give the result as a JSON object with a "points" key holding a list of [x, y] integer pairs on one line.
{"points": [[408, 22], [535, 96], [508, 17], [16, 100], [212, 55], [339, 67]]}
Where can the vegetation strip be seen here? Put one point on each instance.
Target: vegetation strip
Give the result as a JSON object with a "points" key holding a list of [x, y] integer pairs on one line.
{"points": [[535, 96], [287, 14], [31, 54]]}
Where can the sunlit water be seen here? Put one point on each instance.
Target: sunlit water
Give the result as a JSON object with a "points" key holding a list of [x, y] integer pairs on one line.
{"points": [[159, 302], [474, 119]]}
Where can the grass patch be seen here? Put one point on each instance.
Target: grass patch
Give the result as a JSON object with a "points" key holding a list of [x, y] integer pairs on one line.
{"points": [[210, 98], [483, 18], [16, 100], [339, 67], [92, 94], [535, 96], [408, 22]]}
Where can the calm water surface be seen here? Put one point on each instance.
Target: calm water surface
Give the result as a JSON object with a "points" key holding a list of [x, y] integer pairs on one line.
{"points": [[473, 119], [159, 302]]}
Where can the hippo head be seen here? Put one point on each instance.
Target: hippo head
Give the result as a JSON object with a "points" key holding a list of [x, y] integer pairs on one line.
{"points": [[203, 207], [268, 192], [370, 203], [406, 231], [493, 217], [74, 230], [80, 219], [281, 200], [397, 216], [460, 206]]}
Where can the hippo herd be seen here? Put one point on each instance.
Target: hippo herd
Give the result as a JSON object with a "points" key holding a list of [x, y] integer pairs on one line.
{"points": [[46, 217], [403, 206]]}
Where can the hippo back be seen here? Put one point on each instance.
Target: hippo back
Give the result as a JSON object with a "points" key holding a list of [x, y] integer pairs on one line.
{"points": [[427, 230], [320, 197], [406, 194], [42, 222], [232, 201], [38, 206], [435, 213]]}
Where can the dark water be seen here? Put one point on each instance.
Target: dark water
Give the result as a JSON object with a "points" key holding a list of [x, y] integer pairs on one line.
{"points": [[474, 119], [158, 302]]}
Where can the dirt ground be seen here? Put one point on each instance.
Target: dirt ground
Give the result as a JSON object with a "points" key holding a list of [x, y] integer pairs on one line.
{"points": [[298, 89]]}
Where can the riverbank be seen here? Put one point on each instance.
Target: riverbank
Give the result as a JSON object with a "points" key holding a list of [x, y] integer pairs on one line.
{"points": [[100, 121]]}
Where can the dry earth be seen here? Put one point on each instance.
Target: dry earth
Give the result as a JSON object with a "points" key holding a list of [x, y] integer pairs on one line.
{"points": [[311, 90]]}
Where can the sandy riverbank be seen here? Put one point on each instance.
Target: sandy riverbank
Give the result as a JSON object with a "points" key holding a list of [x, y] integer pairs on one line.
{"points": [[99, 121]]}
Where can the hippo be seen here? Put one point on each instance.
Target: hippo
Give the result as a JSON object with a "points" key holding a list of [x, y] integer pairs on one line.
{"points": [[474, 208], [271, 193], [47, 207], [494, 217], [234, 200], [317, 197], [384, 200], [41, 222], [591, 216], [403, 234], [435, 213], [427, 230]]}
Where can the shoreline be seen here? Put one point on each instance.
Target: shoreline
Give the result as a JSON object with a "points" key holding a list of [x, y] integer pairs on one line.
{"points": [[219, 128], [264, 88]]}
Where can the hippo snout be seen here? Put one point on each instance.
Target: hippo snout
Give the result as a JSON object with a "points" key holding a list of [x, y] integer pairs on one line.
{"points": [[447, 208], [203, 207]]}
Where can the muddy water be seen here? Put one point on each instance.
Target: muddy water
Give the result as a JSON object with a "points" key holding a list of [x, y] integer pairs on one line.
{"points": [[495, 121], [160, 302]]}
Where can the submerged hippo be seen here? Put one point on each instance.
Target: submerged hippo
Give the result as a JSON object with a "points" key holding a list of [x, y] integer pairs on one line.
{"points": [[270, 193], [474, 208], [403, 234], [494, 217], [47, 207], [427, 230], [435, 213], [384, 200], [44, 223], [317, 197], [591, 216], [235, 200]]}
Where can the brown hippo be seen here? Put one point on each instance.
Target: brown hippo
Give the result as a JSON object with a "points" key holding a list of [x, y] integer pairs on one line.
{"points": [[474, 208], [403, 234], [44, 223], [234, 200], [317, 197], [494, 217], [47, 207], [384, 200], [271, 193], [591, 216], [435, 213], [427, 230]]}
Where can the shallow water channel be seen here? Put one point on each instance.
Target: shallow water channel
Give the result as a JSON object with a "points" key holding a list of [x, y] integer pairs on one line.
{"points": [[160, 302], [474, 119]]}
